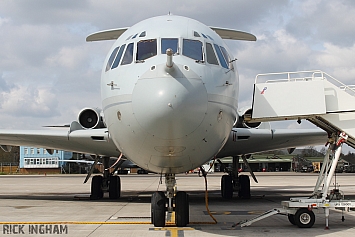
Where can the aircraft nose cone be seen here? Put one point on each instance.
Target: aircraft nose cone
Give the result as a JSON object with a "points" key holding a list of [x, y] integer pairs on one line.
{"points": [[169, 108]]}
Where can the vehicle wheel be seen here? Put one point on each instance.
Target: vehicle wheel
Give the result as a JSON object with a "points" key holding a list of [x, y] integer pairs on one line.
{"points": [[244, 187], [226, 187], [304, 218], [158, 209], [291, 219], [182, 209], [96, 188], [114, 189]]}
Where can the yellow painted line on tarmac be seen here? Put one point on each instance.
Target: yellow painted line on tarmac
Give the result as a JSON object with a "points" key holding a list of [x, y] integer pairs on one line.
{"points": [[171, 217], [75, 223], [168, 223]]}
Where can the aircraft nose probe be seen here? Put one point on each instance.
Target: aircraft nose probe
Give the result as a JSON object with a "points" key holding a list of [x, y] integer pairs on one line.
{"points": [[169, 58]]}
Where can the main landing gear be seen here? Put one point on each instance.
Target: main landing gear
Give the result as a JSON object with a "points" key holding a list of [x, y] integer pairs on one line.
{"points": [[106, 183], [234, 182], [172, 201]]}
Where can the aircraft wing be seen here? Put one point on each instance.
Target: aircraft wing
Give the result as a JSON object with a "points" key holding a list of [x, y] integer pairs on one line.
{"points": [[97, 141], [243, 141], [90, 141]]}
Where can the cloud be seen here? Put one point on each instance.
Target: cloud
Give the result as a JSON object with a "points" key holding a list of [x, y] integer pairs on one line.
{"points": [[69, 58], [338, 61], [44, 11], [5, 86], [29, 102], [324, 21]]}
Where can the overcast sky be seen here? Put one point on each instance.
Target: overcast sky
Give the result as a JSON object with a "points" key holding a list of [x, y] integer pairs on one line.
{"points": [[48, 73]]}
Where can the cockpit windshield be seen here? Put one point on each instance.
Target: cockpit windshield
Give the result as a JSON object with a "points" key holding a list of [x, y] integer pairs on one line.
{"points": [[169, 43], [146, 49], [128, 55], [110, 60], [192, 49], [211, 56], [118, 58], [220, 56], [226, 55]]}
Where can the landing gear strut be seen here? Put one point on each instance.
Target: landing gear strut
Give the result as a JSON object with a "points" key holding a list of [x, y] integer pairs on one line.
{"points": [[106, 183], [161, 203], [234, 182]]}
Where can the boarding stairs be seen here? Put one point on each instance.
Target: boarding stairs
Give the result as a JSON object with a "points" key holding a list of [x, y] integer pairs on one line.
{"points": [[327, 103], [312, 95]]}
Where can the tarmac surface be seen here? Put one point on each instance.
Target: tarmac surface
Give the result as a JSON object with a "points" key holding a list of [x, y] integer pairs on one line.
{"points": [[38, 205]]}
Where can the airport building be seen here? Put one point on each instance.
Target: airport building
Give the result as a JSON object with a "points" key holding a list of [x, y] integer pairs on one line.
{"points": [[40, 160], [261, 163], [271, 163]]}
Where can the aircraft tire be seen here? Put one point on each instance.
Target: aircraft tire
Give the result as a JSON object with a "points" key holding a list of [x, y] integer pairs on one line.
{"points": [[114, 189], [182, 214], [244, 188], [158, 209], [304, 218], [226, 187], [291, 219], [96, 188]]}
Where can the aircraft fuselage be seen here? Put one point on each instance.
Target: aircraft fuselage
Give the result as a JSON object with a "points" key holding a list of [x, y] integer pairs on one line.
{"points": [[169, 117]]}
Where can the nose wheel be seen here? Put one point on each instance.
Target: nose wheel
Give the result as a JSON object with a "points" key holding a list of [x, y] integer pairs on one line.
{"points": [[158, 203], [170, 202], [182, 214]]}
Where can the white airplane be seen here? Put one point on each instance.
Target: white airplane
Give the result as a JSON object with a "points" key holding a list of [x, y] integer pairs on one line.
{"points": [[169, 90]]}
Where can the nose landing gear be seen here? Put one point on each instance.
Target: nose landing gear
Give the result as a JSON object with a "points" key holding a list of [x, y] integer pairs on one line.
{"points": [[172, 201]]}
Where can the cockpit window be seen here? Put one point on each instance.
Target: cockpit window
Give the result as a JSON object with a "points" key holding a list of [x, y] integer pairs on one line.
{"points": [[211, 56], [119, 56], [146, 49], [192, 49], [196, 34], [134, 36], [128, 55], [204, 36], [143, 34], [225, 54], [220, 56], [110, 60], [169, 43]]}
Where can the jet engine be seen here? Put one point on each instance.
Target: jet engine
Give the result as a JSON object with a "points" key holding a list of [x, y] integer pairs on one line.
{"points": [[241, 123], [91, 118]]}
